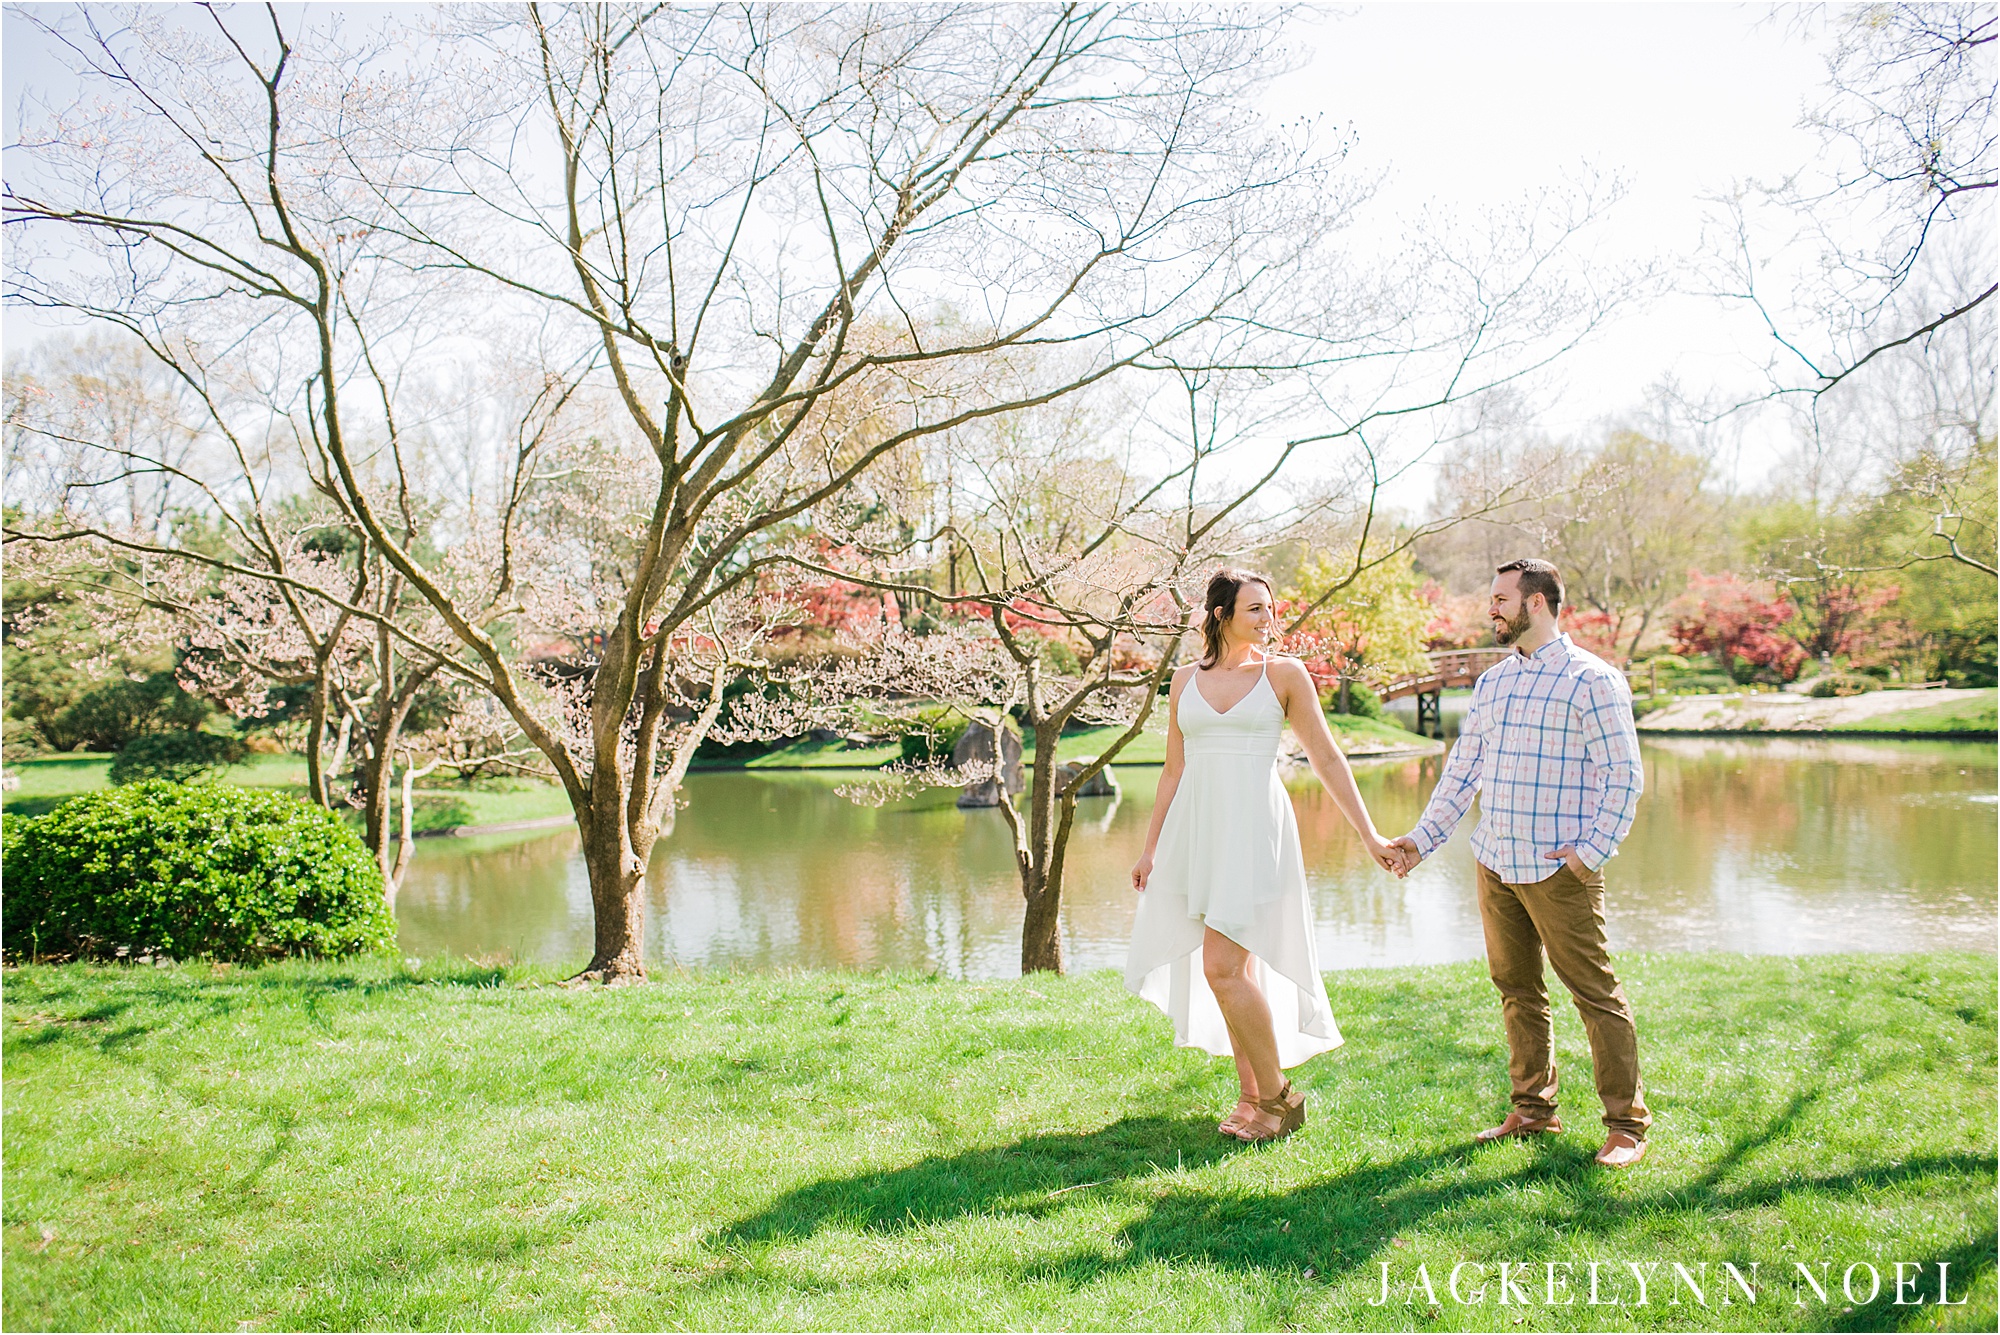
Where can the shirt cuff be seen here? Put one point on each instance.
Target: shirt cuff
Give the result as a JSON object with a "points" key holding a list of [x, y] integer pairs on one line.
{"points": [[1426, 840], [1592, 856]]}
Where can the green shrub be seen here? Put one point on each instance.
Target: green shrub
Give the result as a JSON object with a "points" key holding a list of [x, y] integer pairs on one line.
{"points": [[933, 732], [1741, 670], [205, 870], [1831, 684], [1970, 659], [1061, 657], [1361, 702], [72, 714], [177, 757]]}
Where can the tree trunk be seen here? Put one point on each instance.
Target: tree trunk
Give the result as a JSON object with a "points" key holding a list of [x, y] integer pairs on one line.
{"points": [[617, 880], [379, 770], [1645, 620], [1041, 926], [316, 791], [621, 818], [330, 771], [405, 844], [376, 773], [1041, 866], [408, 842], [1041, 929]]}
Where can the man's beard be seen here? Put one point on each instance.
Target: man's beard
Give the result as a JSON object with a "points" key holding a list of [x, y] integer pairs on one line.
{"points": [[1508, 631]]}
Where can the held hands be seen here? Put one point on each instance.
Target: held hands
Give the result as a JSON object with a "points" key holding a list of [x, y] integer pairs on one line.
{"points": [[1398, 855]]}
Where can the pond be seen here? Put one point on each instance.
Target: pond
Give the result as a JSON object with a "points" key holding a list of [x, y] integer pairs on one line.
{"points": [[1764, 846]]}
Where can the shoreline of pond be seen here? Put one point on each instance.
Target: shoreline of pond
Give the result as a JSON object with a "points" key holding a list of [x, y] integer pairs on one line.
{"points": [[533, 812], [1830, 734], [1433, 748], [558, 822]]}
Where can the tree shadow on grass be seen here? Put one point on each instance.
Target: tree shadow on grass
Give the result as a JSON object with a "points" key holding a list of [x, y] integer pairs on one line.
{"points": [[1030, 1177], [1339, 1227], [1968, 1263], [1342, 1225], [158, 999]]}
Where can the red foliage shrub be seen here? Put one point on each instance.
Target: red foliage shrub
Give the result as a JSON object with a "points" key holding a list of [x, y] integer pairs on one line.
{"points": [[835, 605], [1458, 621], [1728, 616], [1843, 620], [1595, 631], [1318, 644]]}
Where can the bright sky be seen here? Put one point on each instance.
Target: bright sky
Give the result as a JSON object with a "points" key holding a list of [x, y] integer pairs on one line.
{"points": [[1473, 104], [1466, 104]]}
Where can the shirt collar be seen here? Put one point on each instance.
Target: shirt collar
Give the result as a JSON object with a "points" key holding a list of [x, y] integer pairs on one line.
{"points": [[1555, 649]]}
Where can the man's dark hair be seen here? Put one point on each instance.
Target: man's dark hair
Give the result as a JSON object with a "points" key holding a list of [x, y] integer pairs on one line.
{"points": [[1538, 576]]}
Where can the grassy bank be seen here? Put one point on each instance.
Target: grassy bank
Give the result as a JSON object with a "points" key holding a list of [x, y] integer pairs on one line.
{"points": [[1954, 716], [362, 1146], [47, 780], [1355, 735]]}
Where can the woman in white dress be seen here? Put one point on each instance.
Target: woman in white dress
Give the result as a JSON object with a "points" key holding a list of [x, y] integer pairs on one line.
{"points": [[1223, 876]]}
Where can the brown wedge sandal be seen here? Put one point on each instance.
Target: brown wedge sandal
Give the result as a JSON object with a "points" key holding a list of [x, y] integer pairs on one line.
{"points": [[1291, 1116], [1233, 1123]]}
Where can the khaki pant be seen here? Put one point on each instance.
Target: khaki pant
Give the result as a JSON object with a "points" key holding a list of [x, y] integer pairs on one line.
{"points": [[1563, 915]]}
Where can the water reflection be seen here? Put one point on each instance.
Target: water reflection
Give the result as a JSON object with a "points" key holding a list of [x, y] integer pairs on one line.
{"points": [[1768, 846]]}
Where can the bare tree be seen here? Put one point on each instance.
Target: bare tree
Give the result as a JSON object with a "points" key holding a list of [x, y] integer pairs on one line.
{"points": [[1907, 126], [1642, 513], [1072, 611], [99, 424], [266, 588], [787, 241], [1085, 562]]}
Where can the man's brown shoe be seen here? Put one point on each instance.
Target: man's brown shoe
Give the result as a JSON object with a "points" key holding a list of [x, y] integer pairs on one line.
{"points": [[1621, 1150], [1519, 1125]]}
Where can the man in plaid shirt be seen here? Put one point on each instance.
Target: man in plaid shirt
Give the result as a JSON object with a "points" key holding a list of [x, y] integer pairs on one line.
{"points": [[1549, 746]]}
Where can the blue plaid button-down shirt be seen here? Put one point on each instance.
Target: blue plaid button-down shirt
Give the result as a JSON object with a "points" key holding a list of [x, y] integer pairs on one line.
{"points": [[1549, 745]]}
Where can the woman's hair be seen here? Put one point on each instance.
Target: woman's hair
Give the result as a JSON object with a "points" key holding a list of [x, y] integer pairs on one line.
{"points": [[1223, 586]]}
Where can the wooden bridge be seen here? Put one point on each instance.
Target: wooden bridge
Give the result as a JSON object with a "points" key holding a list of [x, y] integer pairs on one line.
{"points": [[1450, 668], [1458, 667]]}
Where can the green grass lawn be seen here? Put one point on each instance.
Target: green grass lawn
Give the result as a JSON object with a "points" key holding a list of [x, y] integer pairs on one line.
{"points": [[813, 755], [1148, 748], [1969, 715], [494, 803], [1364, 734], [360, 1146], [47, 780]]}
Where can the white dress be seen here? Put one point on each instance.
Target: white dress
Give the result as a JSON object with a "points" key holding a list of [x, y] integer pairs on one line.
{"points": [[1229, 858]]}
